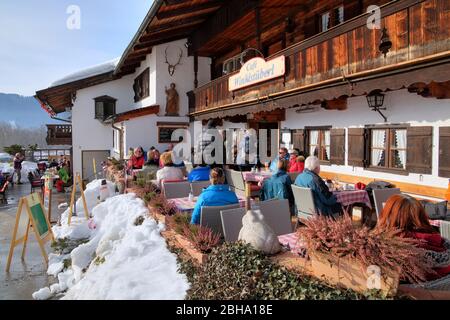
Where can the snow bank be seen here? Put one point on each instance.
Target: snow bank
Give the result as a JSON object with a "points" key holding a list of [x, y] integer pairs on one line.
{"points": [[121, 260]]}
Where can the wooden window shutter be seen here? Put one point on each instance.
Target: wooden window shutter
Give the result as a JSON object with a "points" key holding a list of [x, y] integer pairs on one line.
{"points": [[298, 139], [357, 147], [444, 152], [337, 146], [419, 149]]}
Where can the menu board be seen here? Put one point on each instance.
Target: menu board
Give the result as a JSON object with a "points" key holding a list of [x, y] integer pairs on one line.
{"points": [[165, 134]]}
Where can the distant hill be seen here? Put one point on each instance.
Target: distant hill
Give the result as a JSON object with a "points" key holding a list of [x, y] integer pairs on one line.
{"points": [[23, 111]]}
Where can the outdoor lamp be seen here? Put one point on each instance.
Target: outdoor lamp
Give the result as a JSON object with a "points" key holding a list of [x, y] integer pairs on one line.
{"points": [[375, 100], [385, 43]]}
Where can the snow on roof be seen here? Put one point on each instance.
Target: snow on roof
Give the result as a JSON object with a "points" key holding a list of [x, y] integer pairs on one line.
{"points": [[104, 67]]}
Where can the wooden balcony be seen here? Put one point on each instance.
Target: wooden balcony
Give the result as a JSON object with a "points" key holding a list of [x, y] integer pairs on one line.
{"points": [[418, 30], [59, 134]]}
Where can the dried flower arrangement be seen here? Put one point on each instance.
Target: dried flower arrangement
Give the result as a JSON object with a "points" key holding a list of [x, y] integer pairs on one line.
{"points": [[387, 250], [203, 238]]}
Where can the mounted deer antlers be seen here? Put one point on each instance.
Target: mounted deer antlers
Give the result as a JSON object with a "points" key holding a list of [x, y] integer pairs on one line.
{"points": [[171, 67]]}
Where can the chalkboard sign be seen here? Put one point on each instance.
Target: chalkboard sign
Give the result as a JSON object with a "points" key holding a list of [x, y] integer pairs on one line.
{"points": [[35, 205], [165, 134]]}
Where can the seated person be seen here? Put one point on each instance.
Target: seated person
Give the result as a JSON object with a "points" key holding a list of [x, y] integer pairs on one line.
{"points": [[279, 186], [153, 156], [282, 154], [296, 161], [325, 202], [217, 194], [199, 173], [137, 161], [169, 171], [403, 212]]}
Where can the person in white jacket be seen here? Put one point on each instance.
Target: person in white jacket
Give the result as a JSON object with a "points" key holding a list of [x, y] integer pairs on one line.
{"points": [[168, 172]]}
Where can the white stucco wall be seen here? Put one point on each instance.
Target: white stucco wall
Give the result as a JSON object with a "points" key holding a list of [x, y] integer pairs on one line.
{"points": [[402, 107], [90, 134]]}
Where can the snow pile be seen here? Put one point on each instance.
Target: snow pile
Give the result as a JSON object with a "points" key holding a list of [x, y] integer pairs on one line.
{"points": [[27, 166], [5, 157], [79, 227], [121, 260], [104, 67]]}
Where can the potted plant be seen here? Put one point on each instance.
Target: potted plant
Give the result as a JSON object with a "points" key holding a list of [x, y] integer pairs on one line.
{"points": [[361, 259]]}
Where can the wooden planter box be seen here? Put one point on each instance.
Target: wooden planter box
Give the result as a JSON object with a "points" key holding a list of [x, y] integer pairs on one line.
{"points": [[181, 242], [349, 273]]}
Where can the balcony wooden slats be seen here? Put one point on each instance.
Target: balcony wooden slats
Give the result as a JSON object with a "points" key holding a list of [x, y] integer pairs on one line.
{"points": [[59, 134], [417, 29]]}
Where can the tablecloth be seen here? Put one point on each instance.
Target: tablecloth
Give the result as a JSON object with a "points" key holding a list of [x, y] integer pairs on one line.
{"points": [[291, 242], [347, 198]]}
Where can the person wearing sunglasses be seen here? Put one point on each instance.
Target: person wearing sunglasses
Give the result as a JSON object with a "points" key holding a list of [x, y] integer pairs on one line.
{"points": [[283, 155]]}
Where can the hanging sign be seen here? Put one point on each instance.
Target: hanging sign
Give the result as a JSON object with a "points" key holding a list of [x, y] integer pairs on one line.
{"points": [[30, 214], [257, 70]]}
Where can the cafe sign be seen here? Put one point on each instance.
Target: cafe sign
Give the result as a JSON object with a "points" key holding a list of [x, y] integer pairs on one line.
{"points": [[257, 70]]}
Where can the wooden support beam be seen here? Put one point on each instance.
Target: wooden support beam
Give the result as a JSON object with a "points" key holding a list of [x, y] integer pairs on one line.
{"points": [[177, 24], [189, 9]]}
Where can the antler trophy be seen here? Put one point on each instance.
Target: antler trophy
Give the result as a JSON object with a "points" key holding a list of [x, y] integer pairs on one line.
{"points": [[171, 67]]}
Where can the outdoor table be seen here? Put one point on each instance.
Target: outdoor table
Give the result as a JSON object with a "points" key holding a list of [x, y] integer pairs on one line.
{"points": [[347, 198], [184, 204], [256, 176], [436, 223], [291, 242]]}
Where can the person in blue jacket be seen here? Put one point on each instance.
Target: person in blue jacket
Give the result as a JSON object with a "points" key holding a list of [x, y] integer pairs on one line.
{"points": [[324, 200], [217, 194], [279, 185], [199, 173], [282, 154]]}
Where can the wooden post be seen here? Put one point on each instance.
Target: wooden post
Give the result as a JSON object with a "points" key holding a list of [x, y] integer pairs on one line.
{"points": [[248, 193], [94, 165]]}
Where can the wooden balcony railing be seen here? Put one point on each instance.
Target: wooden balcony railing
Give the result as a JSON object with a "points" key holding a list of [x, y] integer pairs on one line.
{"points": [[59, 134], [417, 29]]}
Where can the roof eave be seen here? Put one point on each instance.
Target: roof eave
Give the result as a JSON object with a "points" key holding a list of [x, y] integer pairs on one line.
{"points": [[148, 18]]}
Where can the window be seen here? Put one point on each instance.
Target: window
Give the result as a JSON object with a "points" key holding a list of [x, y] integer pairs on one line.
{"points": [[325, 21], [141, 86], [105, 107], [332, 18], [319, 143], [388, 148]]}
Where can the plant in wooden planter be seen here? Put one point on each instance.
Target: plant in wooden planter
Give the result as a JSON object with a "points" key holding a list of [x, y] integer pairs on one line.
{"points": [[201, 237], [160, 204], [342, 253], [178, 222]]}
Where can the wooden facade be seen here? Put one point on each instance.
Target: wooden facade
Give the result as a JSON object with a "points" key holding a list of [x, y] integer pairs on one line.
{"points": [[58, 134], [417, 30]]}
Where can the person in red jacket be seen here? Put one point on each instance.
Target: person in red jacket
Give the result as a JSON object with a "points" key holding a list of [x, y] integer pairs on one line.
{"points": [[137, 160], [402, 212], [296, 162]]}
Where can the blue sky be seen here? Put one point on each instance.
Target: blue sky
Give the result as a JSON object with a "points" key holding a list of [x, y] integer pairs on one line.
{"points": [[37, 48]]}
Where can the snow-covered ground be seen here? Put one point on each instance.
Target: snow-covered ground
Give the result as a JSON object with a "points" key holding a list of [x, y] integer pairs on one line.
{"points": [[121, 260], [27, 166]]}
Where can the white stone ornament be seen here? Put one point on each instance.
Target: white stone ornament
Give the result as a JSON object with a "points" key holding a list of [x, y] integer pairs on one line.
{"points": [[258, 233]]}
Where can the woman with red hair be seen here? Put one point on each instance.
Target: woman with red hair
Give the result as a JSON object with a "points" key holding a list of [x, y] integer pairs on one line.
{"points": [[404, 213]]}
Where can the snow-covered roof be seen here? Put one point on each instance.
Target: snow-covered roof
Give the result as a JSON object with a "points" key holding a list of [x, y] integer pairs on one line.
{"points": [[102, 68]]}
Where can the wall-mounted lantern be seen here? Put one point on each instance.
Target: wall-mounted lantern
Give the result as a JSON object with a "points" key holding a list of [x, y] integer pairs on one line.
{"points": [[375, 100]]}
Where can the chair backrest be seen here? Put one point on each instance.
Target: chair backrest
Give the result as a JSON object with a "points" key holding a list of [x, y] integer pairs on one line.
{"points": [[228, 177], [188, 166], [198, 186], [293, 176], [304, 201], [445, 229], [277, 215], [176, 189], [210, 217], [238, 180], [380, 196], [232, 223]]}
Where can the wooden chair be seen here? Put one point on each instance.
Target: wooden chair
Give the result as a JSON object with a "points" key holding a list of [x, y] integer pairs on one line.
{"points": [[304, 202], [380, 196], [211, 218], [232, 223], [277, 215], [198, 186], [173, 190]]}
